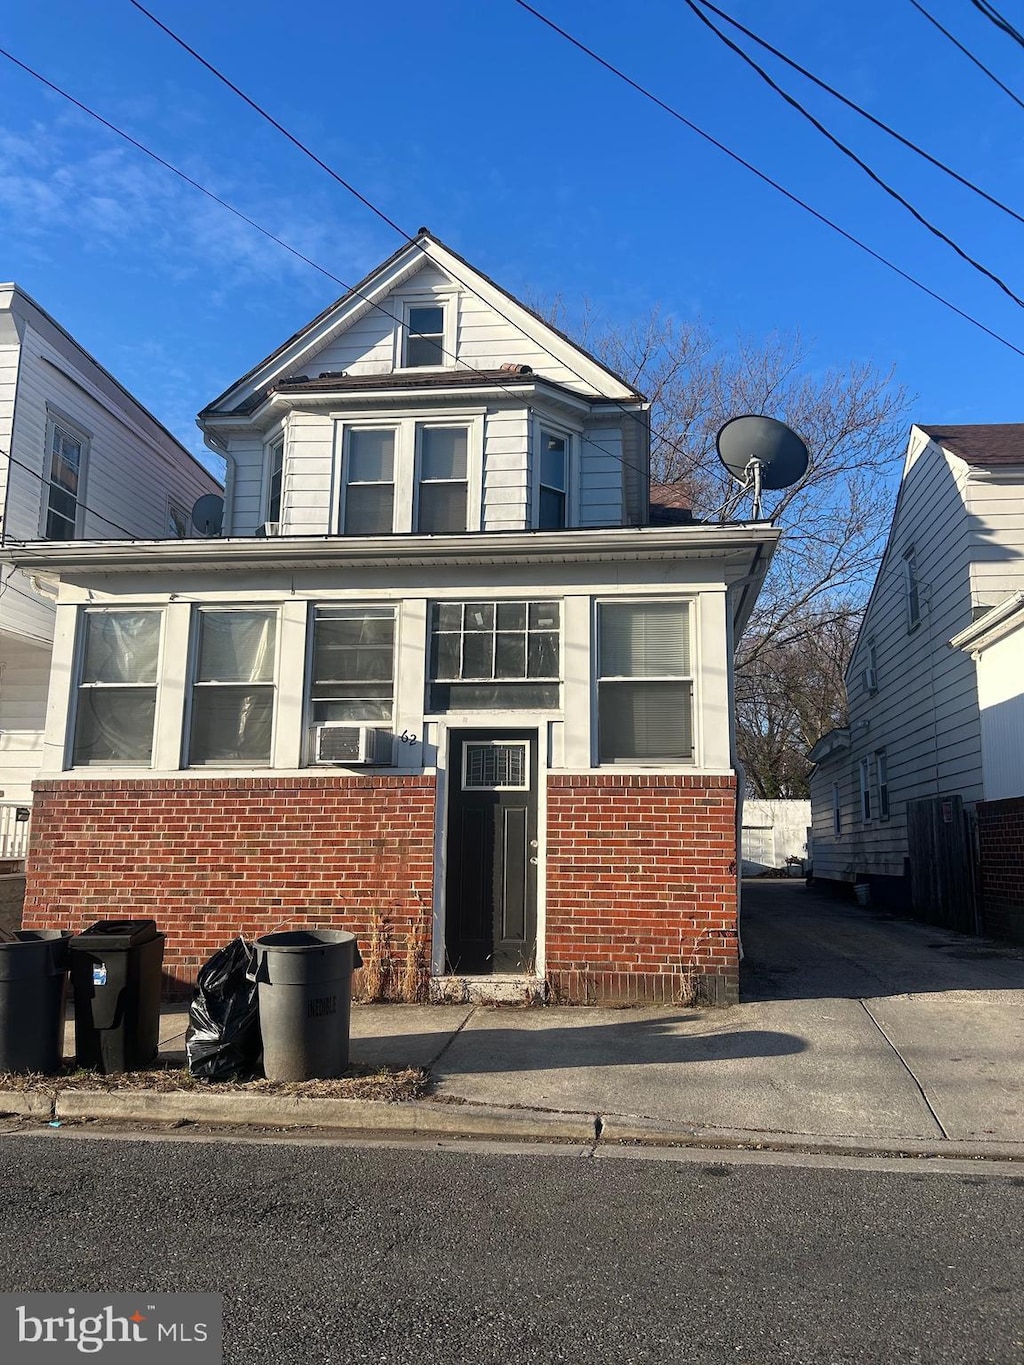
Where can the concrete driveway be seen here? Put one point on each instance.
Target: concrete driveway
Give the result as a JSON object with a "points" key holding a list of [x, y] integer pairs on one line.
{"points": [[853, 1023]]}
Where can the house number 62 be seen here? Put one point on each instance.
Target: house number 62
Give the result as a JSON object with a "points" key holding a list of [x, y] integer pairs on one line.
{"points": [[406, 738]]}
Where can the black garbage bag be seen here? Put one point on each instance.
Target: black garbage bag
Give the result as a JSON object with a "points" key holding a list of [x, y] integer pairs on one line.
{"points": [[223, 1042]]}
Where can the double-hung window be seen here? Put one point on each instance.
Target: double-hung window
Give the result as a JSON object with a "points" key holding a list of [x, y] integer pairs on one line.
{"points": [[66, 450], [645, 685], [116, 696], [882, 775], [554, 481], [864, 778], [233, 687], [369, 481], [443, 479], [494, 655], [353, 667], [275, 479], [911, 589], [424, 336]]}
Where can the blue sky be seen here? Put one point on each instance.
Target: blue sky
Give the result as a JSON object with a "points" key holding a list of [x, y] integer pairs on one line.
{"points": [[554, 178]]}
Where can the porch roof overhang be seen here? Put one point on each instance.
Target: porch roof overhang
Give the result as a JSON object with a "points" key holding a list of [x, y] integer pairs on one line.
{"points": [[744, 549]]}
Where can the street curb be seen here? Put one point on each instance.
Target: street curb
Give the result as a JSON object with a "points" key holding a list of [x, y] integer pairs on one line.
{"points": [[423, 1118], [35, 1104], [411, 1117]]}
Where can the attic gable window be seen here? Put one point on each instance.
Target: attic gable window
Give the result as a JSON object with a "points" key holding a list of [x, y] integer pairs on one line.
{"points": [[424, 336]]}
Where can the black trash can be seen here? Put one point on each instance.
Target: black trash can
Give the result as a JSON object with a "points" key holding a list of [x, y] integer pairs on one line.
{"points": [[305, 997], [115, 978], [33, 981]]}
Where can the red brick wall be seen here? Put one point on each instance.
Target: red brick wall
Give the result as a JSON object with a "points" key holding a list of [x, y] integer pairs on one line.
{"points": [[1001, 845], [641, 888], [210, 858]]}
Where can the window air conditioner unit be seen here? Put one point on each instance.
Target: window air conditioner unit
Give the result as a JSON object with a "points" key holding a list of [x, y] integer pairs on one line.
{"points": [[351, 745], [870, 681], [270, 528]]}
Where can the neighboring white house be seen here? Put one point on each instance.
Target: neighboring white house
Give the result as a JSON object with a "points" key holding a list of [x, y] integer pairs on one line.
{"points": [[80, 459], [926, 741], [442, 681]]}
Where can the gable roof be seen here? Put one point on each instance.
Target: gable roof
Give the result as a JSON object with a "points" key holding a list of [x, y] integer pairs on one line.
{"points": [[391, 273], [987, 444]]}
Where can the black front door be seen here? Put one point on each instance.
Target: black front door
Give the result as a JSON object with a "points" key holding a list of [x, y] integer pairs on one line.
{"points": [[491, 853]]}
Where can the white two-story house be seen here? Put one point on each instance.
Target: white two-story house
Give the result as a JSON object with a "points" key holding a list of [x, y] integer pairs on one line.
{"points": [[936, 723], [80, 459], [439, 680]]}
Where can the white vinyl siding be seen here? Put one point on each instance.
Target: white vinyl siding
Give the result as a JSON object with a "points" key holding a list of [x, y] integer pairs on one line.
{"points": [[601, 471]]}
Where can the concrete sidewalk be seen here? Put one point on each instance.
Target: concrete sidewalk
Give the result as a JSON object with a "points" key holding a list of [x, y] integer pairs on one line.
{"points": [[933, 1069]]}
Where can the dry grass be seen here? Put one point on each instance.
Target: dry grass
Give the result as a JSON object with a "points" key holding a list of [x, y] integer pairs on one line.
{"points": [[387, 1084]]}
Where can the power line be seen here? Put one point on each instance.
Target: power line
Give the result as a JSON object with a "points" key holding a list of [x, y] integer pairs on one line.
{"points": [[767, 179], [349, 289], [1001, 22], [968, 54], [848, 152], [864, 113]]}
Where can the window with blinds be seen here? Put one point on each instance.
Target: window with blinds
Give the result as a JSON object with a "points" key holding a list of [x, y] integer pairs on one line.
{"points": [[645, 685]]}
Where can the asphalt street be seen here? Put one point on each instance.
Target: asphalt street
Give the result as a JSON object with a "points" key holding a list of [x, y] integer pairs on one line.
{"points": [[332, 1253]]}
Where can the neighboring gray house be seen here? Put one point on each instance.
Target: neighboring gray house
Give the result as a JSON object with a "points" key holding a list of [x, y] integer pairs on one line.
{"points": [[80, 459], [894, 794]]}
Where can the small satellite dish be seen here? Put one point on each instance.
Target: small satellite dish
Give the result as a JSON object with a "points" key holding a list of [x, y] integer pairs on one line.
{"points": [[208, 514], [761, 452]]}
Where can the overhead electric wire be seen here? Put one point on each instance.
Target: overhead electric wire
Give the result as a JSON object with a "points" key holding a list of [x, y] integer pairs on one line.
{"points": [[1001, 22], [873, 175], [864, 113], [763, 176], [6, 539], [968, 54], [349, 289]]}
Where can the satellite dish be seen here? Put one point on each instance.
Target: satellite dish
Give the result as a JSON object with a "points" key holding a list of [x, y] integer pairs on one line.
{"points": [[208, 514], [761, 452]]}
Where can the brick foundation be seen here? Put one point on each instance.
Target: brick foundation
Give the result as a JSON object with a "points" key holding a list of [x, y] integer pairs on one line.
{"points": [[208, 859], [641, 889], [1001, 846]]}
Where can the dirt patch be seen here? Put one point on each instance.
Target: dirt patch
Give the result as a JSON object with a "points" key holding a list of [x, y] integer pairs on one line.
{"points": [[387, 1084]]}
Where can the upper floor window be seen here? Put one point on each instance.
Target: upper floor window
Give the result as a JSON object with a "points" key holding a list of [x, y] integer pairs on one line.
{"points": [[116, 694], [232, 715], [275, 479], [498, 655], [66, 450], [369, 482], [353, 668], [554, 481], [882, 775], [645, 686], [424, 336], [837, 810], [179, 520], [911, 589], [864, 776], [443, 486]]}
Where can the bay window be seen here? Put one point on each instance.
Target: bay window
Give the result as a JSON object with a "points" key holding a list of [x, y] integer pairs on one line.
{"points": [[645, 685]]}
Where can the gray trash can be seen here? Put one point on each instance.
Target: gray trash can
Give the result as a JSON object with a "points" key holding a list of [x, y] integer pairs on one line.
{"points": [[305, 998], [33, 980], [115, 976]]}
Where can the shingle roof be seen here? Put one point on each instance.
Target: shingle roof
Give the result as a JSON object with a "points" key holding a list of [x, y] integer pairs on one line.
{"points": [[507, 377], [989, 444]]}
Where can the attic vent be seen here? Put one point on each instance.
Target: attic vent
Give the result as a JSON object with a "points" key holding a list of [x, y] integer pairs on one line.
{"points": [[510, 368], [333, 374]]}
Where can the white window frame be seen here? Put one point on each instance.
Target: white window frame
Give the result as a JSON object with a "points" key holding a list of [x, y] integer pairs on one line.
{"points": [[79, 686], [384, 605], [572, 440], [223, 609], [882, 779], [509, 707], [599, 677], [448, 301], [864, 781], [406, 426], [523, 786], [56, 419], [440, 424], [911, 589], [275, 444]]}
